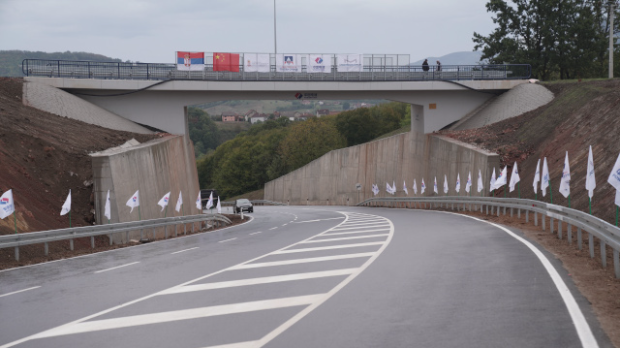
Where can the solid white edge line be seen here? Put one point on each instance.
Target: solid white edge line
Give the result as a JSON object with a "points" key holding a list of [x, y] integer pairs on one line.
{"points": [[251, 234], [117, 267], [18, 291], [248, 344], [180, 251], [581, 325], [227, 240]]}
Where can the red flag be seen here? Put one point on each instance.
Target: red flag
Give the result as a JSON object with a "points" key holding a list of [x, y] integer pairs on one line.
{"points": [[226, 62]]}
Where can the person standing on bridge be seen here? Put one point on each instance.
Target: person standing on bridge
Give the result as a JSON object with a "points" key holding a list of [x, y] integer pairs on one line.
{"points": [[438, 66], [425, 65]]}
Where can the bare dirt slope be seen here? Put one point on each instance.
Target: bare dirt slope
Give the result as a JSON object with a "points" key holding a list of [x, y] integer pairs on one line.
{"points": [[582, 114], [42, 156]]}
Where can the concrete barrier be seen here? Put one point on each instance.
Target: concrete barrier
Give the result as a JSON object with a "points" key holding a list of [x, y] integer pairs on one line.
{"points": [[155, 168], [332, 178]]}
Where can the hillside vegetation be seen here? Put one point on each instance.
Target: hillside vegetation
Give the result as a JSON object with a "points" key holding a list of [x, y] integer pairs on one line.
{"points": [[11, 61]]}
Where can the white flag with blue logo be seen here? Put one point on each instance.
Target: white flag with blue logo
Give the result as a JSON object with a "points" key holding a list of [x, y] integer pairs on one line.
{"points": [[565, 182], [422, 187], [445, 184], [7, 205], [614, 176], [163, 202], [67, 206], [134, 201], [590, 178], [457, 188], [480, 182], [179, 202], [435, 187], [537, 177], [544, 180], [501, 179], [468, 185], [415, 187]]}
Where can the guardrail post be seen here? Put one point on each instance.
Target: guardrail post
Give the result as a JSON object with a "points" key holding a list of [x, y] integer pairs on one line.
{"points": [[511, 212], [110, 238], [617, 263], [559, 229], [527, 215], [591, 243], [71, 242], [175, 229], [92, 242], [16, 253], [46, 248], [551, 225], [504, 211], [487, 206], [536, 219], [126, 237], [603, 254], [166, 232], [579, 236], [184, 229], [569, 233], [193, 224], [542, 217], [519, 213], [498, 210]]}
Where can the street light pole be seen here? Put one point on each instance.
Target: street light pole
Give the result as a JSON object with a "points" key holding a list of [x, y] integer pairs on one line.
{"points": [[275, 39]]}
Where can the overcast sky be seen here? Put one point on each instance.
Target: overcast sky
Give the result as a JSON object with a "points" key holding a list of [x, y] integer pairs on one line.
{"points": [[151, 31]]}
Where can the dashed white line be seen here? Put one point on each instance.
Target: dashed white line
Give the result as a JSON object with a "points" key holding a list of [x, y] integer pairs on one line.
{"points": [[251, 234], [18, 291], [227, 240], [180, 251], [272, 228], [117, 267], [284, 225]]}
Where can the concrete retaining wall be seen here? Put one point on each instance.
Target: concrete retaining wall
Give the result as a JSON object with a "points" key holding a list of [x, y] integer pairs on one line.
{"points": [[332, 179], [155, 168]]}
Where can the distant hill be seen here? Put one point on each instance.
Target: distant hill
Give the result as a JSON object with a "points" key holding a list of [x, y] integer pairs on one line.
{"points": [[11, 61], [455, 58]]}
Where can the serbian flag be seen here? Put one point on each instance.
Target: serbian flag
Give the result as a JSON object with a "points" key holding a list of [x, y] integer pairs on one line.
{"points": [[226, 62], [190, 61]]}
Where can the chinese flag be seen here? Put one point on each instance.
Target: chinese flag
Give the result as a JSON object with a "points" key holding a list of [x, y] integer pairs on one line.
{"points": [[225, 62]]}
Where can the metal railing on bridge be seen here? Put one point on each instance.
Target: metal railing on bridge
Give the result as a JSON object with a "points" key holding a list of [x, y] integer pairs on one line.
{"points": [[155, 71]]}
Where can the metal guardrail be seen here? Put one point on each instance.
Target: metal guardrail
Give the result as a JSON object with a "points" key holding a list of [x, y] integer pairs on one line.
{"points": [[606, 233], [158, 71], [45, 237]]}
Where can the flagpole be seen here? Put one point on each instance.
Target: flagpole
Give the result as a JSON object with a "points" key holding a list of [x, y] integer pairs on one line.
{"points": [[590, 204], [519, 189], [15, 219], [569, 201], [550, 192], [616, 215], [139, 214], [69, 218], [166, 211]]}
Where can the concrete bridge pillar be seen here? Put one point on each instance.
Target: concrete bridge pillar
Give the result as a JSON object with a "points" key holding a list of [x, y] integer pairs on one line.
{"points": [[417, 118]]}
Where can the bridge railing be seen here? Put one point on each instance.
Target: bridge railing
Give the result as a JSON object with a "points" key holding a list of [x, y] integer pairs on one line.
{"points": [[45, 237], [154, 71], [606, 233]]}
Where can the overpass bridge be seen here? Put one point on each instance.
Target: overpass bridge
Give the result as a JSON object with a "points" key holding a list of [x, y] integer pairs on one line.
{"points": [[157, 94]]}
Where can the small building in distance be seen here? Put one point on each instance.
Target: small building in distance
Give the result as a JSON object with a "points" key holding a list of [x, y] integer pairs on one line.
{"points": [[322, 112], [258, 118], [231, 117]]}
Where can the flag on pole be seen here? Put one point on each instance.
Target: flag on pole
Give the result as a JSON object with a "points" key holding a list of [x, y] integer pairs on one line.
{"points": [[514, 178], [422, 187], [468, 185], [544, 180], [134, 201], [415, 187], [67, 206], [480, 182], [537, 177], [108, 208], [199, 201], [590, 178], [501, 179], [445, 184], [209, 202], [219, 206], [7, 205], [493, 180], [393, 187], [388, 189], [405, 188], [435, 187], [614, 176], [565, 182], [163, 202], [457, 188], [179, 202], [375, 189], [617, 198]]}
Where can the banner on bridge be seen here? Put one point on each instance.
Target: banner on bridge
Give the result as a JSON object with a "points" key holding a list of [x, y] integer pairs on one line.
{"points": [[289, 62], [350, 62], [320, 63], [256, 62], [190, 61]]}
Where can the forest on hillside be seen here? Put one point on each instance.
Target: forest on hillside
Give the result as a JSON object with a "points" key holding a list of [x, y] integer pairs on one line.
{"points": [[276, 147]]}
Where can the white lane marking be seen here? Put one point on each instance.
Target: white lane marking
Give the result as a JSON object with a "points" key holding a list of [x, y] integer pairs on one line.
{"points": [[361, 227], [344, 238], [355, 232], [344, 246], [302, 222], [248, 344], [581, 325], [256, 281], [227, 240], [272, 228], [298, 261], [184, 314], [273, 334], [113, 268], [373, 222], [181, 251], [251, 234], [18, 291], [284, 225]]}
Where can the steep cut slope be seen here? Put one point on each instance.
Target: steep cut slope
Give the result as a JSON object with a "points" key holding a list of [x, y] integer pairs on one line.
{"points": [[582, 114], [42, 156]]}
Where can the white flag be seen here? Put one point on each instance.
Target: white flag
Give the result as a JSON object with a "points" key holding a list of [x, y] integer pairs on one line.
{"points": [[415, 187], [468, 185], [134, 201], [435, 187], [445, 184], [618, 198], [614, 176], [219, 206], [67, 206], [210, 202], [179, 202], [514, 178], [590, 178], [388, 189], [7, 205], [501, 179], [393, 187], [163, 202], [493, 180], [544, 179], [422, 187], [480, 182], [457, 188], [537, 177], [199, 202], [405, 188], [108, 208], [565, 182]]}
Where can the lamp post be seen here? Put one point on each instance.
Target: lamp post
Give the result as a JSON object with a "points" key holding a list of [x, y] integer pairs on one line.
{"points": [[275, 39]]}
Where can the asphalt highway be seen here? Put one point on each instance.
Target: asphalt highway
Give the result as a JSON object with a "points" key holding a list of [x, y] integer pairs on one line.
{"points": [[306, 277]]}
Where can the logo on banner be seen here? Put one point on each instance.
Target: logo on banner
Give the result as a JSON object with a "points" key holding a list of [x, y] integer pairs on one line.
{"points": [[350, 61], [187, 60], [306, 95], [318, 60], [4, 201], [299, 95], [288, 60], [249, 63]]}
